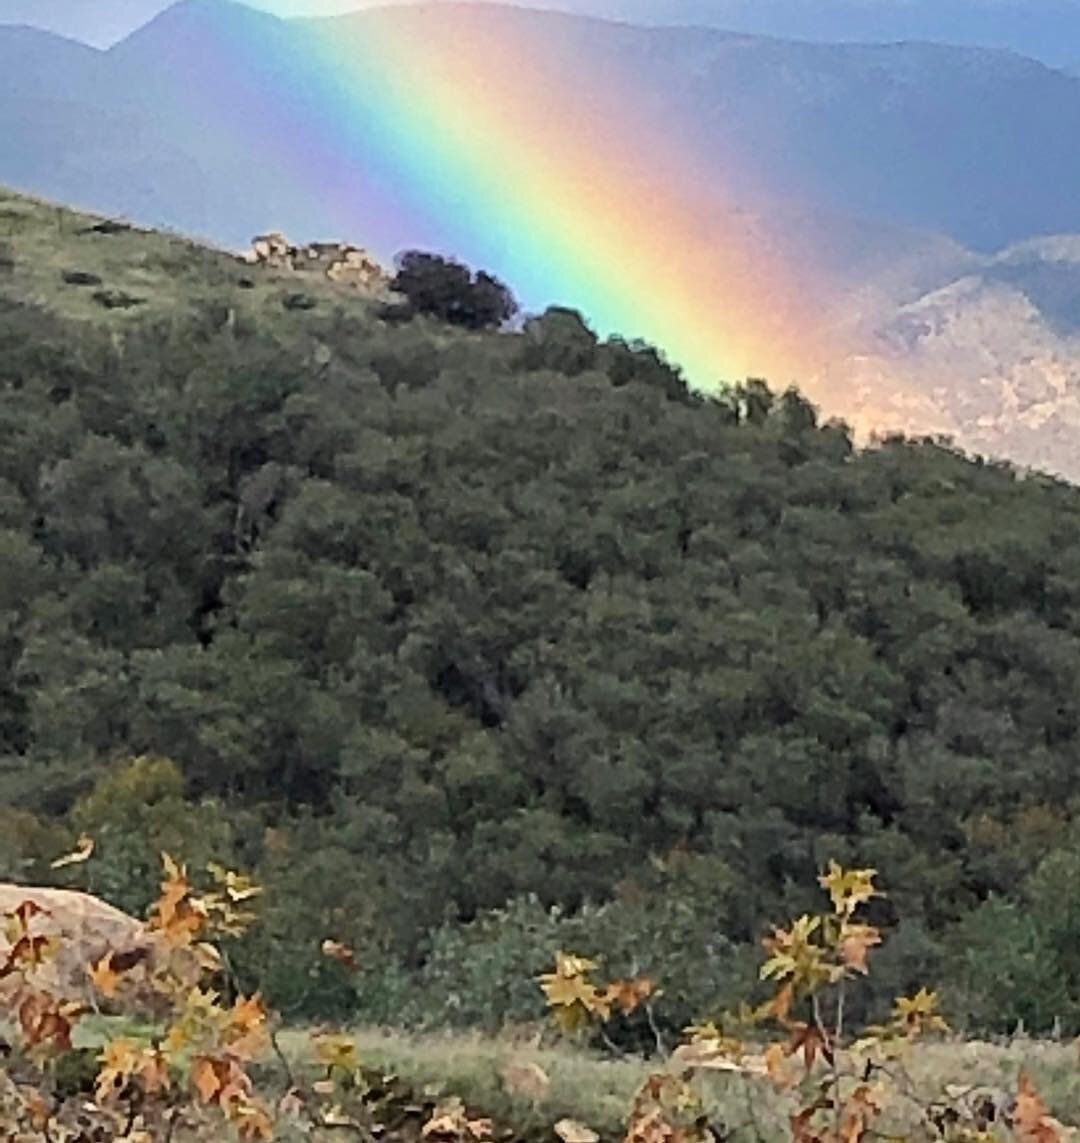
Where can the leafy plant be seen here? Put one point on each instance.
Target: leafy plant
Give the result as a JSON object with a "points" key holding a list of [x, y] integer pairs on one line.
{"points": [[837, 1084]]}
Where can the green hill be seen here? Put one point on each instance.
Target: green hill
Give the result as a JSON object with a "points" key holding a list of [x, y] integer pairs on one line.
{"points": [[431, 623]]}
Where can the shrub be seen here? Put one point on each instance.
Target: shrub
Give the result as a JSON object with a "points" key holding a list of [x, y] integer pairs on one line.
{"points": [[445, 289]]}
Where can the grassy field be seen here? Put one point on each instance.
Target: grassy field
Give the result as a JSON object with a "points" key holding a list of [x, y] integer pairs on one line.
{"points": [[597, 1090]]}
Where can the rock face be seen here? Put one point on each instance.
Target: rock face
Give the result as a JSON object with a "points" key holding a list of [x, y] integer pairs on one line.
{"points": [[337, 261], [87, 929]]}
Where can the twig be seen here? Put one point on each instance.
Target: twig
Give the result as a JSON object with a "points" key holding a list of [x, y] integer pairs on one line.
{"points": [[609, 1042], [661, 1047], [282, 1058]]}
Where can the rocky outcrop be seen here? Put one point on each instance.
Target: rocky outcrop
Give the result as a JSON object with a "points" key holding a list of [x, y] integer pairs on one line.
{"points": [[336, 261]]}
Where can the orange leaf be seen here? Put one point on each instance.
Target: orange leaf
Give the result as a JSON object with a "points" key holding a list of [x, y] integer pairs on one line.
{"points": [[856, 942], [1032, 1120], [207, 1078], [628, 995], [809, 1039]]}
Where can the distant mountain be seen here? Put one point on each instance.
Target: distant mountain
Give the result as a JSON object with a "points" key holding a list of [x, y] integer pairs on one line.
{"points": [[989, 355], [97, 22], [1047, 30], [977, 145]]}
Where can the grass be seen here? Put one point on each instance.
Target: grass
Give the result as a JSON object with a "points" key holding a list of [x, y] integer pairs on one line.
{"points": [[51, 257], [597, 1090]]}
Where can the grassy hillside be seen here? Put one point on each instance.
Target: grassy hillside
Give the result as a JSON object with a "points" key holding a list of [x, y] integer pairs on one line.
{"points": [[474, 646], [87, 268]]}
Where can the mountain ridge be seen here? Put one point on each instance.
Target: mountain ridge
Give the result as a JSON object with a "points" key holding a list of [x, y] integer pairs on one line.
{"points": [[1041, 30]]}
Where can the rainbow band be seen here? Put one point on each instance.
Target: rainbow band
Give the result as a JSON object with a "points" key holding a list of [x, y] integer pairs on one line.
{"points": [[478, 143]]}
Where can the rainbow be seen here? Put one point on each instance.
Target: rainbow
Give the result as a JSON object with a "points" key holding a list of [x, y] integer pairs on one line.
{"points": [[480, 143]]}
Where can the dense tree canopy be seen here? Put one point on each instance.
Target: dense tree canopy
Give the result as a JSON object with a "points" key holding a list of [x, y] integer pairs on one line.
{"points": [[431, 623]]}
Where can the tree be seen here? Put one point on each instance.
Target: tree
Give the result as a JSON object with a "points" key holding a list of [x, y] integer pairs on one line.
{"points": [[445, 289]]}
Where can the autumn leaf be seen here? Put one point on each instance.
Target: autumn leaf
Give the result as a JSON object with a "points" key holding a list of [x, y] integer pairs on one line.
{"points": [[1032, 1120], [246, 1032], [84, 847], [336, 1053], [208, 1078], [105, 977], [629, 995], [154, 1071], [780, 1005], [801, 1122], [47, 1022], [26, 911], [37, 1107], [252, 1121], [917, 1014], [856, 941], [236, 886], [848, 888], [860, 1109], [795, 957], [810, 1040], [118, 1061], [573, 997]]}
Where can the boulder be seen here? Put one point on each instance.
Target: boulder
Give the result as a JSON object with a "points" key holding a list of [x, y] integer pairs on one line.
{"points": [[87, 929]]}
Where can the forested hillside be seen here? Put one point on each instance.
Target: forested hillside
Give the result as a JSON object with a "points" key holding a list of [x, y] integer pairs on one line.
{"points": [[416, 623]]}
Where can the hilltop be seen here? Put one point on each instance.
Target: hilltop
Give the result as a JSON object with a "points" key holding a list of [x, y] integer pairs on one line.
{"points": [[417, 623]]}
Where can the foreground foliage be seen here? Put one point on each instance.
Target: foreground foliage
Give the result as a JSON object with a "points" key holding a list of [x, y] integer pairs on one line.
{"points": [[196, 1067], [835, 1084]]}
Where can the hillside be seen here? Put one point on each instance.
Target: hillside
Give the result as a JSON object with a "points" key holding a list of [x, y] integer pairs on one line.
{"points": [[430, 622]]}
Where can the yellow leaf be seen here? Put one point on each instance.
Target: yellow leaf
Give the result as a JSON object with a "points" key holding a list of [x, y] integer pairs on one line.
{"points": [[84, 847], [106, 979], [337, 1052], [848, 888]]}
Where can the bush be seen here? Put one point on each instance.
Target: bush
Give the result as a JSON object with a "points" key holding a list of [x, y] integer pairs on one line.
{"points": [[445, 289]]}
